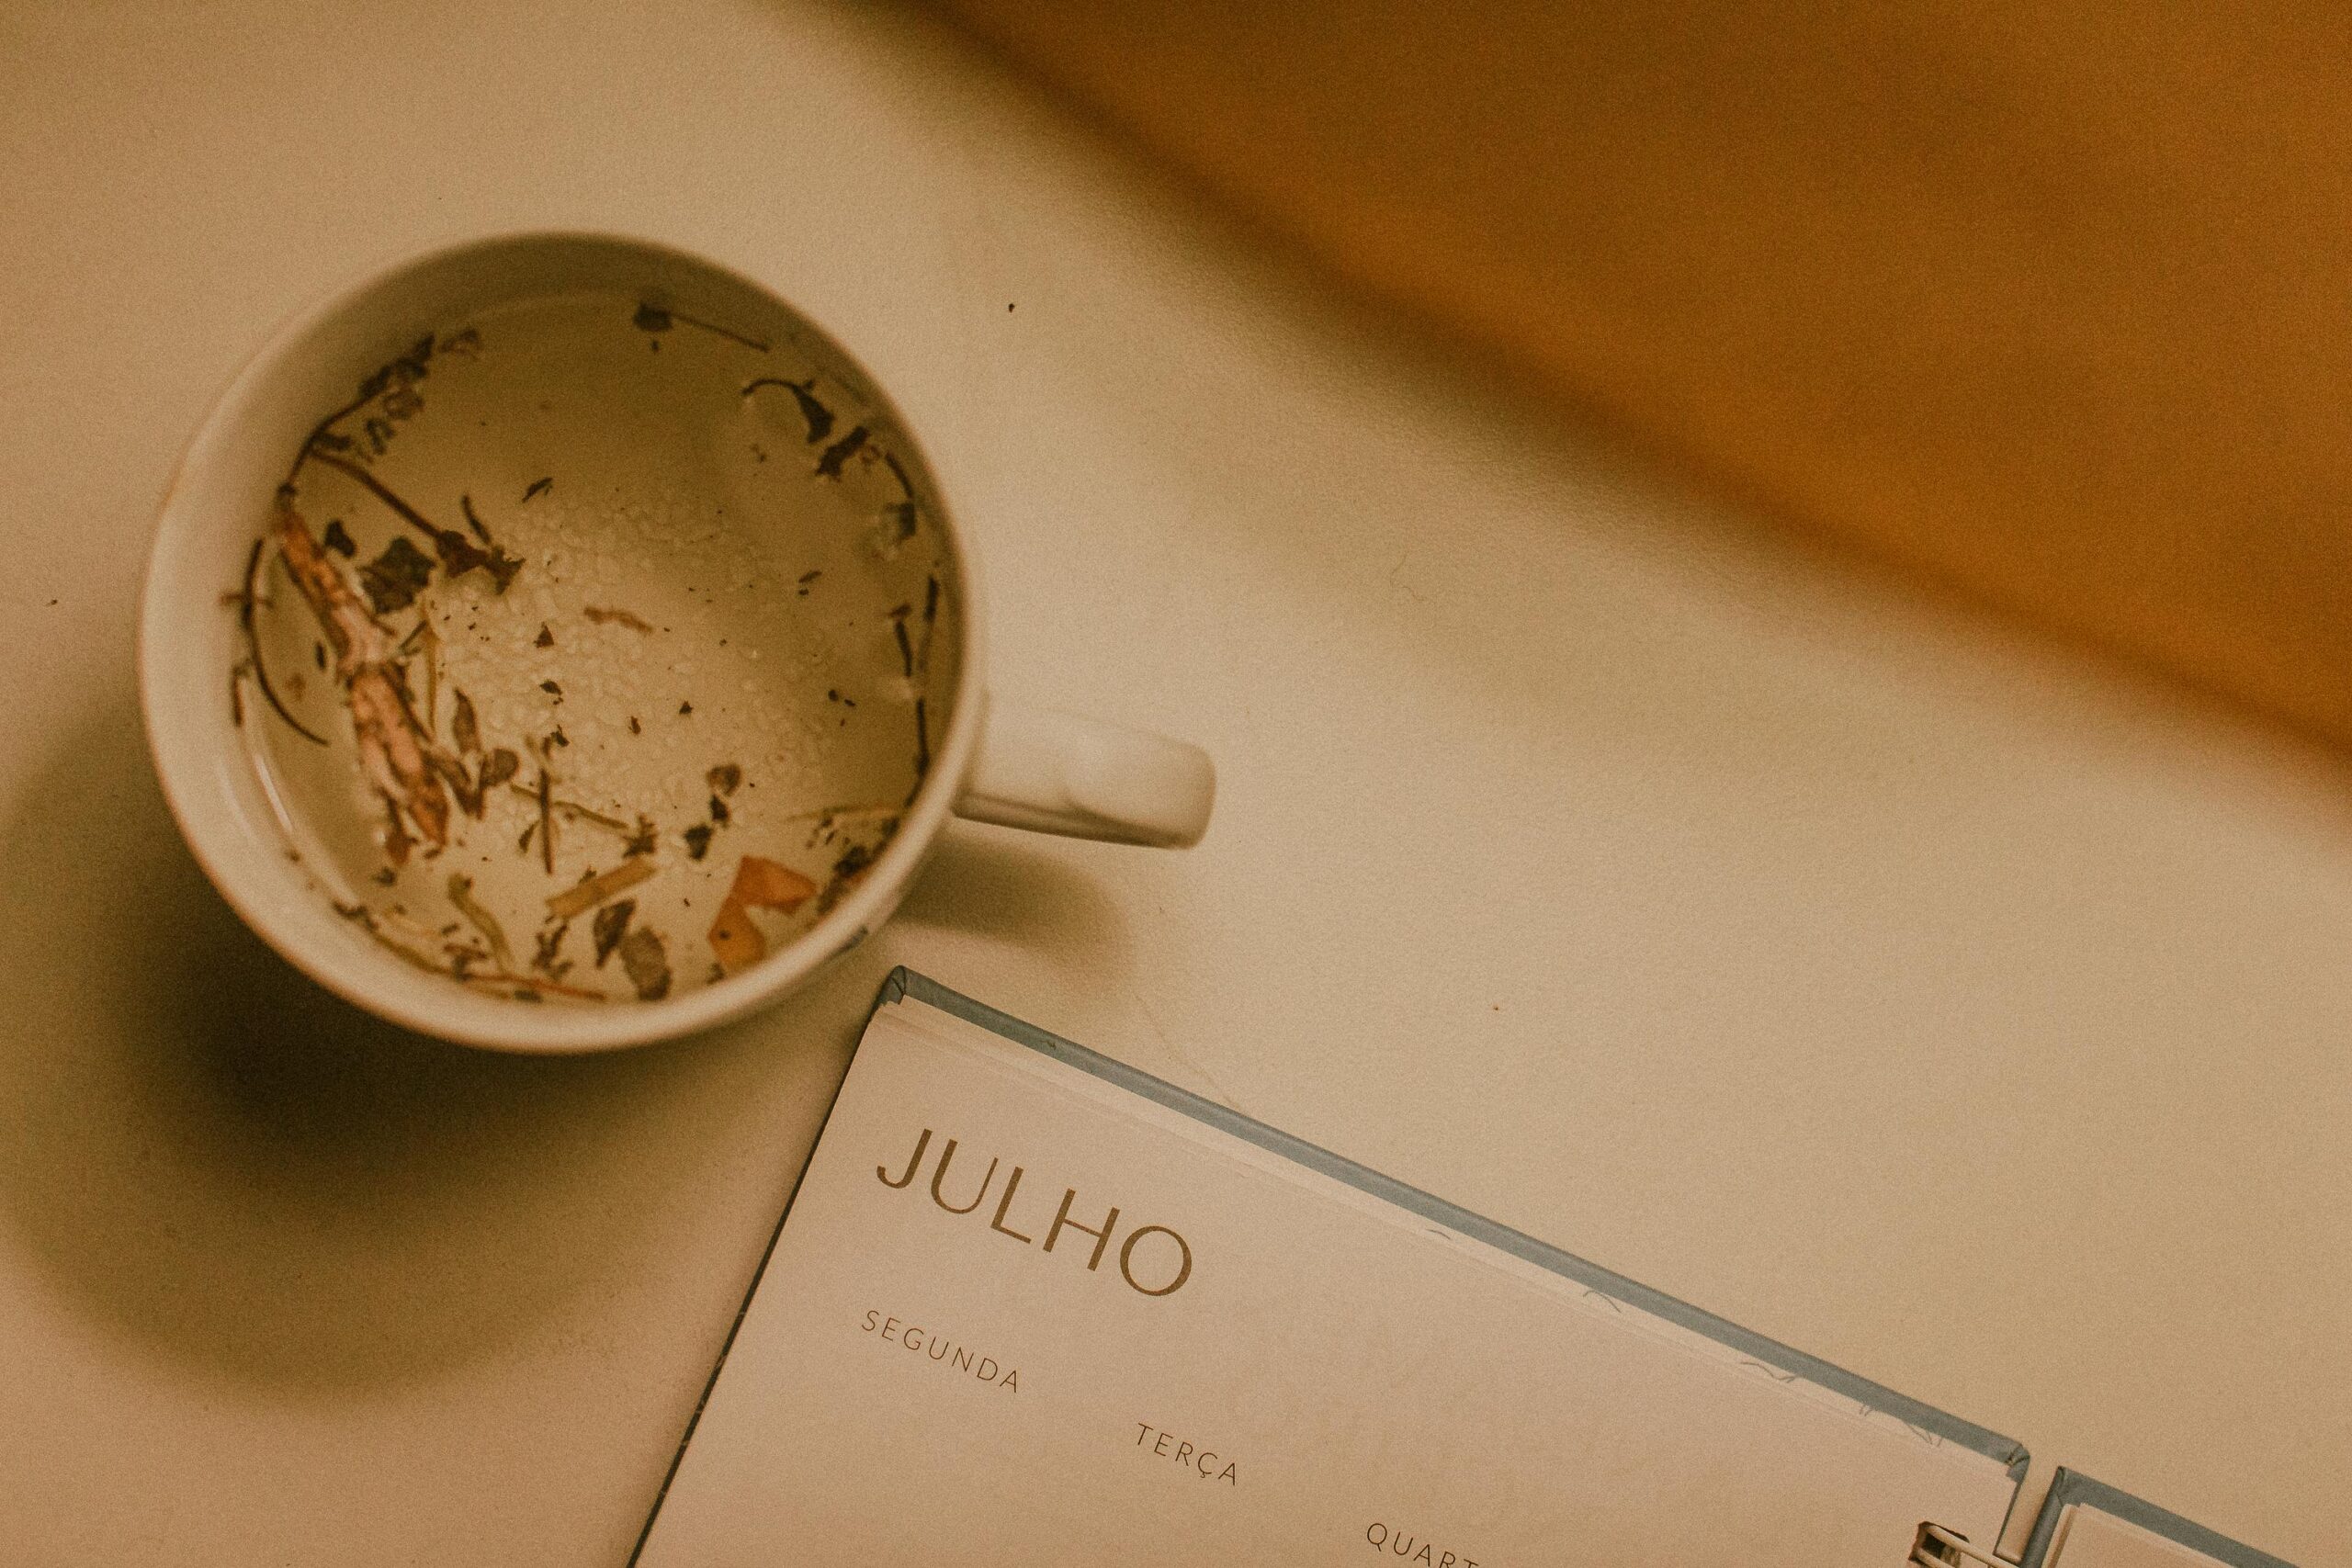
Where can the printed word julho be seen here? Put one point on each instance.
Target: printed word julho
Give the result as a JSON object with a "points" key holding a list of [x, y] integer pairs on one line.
{"points": [[1153, 1260]]}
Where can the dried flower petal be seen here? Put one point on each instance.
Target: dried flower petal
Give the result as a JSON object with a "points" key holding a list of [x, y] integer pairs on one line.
{"points": [[760, 884]]}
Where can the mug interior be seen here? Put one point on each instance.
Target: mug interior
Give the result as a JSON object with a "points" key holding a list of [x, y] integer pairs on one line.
{"points": [[229, 753]]}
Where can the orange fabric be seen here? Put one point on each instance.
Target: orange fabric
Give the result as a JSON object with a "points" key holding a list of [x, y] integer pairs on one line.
{"points": [[2052, 301]]}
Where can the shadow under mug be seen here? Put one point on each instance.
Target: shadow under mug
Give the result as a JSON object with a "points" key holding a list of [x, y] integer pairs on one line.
{"points": [[991, 761]]}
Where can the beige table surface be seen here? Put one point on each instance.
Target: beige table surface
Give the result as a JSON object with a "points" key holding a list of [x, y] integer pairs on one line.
{"points": [[1924, 995]]}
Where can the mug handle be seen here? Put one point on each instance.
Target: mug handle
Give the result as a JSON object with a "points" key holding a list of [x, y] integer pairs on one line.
{"points": [[1059, 773]]}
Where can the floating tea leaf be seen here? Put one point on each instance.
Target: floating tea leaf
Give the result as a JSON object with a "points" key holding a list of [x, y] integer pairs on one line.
{"points": [[394, 578], [830, 464], [611, 925], [648, 965]]}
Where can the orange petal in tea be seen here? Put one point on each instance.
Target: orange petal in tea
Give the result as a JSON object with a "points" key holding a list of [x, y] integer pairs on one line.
{"points": [[759, 885]]}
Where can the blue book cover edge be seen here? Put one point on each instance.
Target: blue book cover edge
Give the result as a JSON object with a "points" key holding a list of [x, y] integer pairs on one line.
{"points": [[2071, 1487], [1923, 1418]]}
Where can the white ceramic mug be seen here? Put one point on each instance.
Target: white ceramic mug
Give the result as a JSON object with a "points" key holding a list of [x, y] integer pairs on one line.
{"points": [[990, 761]]}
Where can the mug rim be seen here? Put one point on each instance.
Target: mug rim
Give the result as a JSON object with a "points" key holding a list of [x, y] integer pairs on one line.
{"points": [[235, 863]]}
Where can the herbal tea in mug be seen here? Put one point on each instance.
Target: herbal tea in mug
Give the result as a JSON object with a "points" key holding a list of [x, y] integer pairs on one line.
{"points": [[592, 647], [612, 643]]}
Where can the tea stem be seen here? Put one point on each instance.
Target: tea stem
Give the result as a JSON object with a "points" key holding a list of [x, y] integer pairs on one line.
{"points": [[381, 491], [246, 598]]}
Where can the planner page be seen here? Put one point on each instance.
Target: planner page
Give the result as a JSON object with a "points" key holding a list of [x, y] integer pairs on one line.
{"points": [[2088, 1538], [1019, 1313]]}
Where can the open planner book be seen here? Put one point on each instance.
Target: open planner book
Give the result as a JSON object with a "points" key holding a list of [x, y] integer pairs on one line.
{"points": [[1030, 1306]]}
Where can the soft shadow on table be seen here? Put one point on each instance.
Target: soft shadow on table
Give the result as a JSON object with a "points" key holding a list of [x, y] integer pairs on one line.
{"points": [[999, 888], [236, 1170]]}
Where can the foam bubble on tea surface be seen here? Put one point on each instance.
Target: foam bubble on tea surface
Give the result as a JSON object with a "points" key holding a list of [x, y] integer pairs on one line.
{"points": [[596, 649]]}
